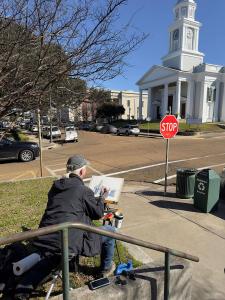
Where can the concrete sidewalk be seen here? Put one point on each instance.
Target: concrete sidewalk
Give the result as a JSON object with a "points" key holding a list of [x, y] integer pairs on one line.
{"points": [[175, 223], [45, 142]]}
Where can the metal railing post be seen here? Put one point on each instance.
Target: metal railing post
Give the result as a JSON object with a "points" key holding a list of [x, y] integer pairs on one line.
{"points": [[65, 263], [167, 276]]}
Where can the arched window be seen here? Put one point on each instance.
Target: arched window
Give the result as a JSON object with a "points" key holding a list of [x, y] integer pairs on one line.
{"points": [[177, 14], [184, 11], [175, 39]]}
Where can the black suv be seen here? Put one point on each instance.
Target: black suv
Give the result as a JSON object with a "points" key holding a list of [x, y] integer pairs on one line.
{"points": [[24, 151]]}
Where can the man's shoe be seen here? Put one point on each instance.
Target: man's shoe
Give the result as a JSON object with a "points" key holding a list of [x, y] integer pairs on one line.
{"points": [[21, 297], [2, 287], [108, 272]]}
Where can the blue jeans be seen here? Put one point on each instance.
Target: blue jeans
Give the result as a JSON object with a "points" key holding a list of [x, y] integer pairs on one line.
{"points": [[108, 245]]}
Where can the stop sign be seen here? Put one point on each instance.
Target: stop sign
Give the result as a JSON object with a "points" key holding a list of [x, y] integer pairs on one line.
{"points": [[169, 126]]}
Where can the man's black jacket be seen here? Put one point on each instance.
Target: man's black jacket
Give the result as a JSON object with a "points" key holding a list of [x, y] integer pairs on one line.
{"points": [[69, 200]]}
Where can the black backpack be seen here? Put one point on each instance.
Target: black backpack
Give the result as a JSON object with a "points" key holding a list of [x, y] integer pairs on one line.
{"points": [[8, 255]]}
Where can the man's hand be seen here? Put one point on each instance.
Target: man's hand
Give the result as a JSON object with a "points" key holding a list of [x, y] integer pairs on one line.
{"points": [[104, 192]]}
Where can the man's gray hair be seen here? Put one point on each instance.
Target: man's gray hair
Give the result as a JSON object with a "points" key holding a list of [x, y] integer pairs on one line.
{"points": [[76, 162], [77, 171]]}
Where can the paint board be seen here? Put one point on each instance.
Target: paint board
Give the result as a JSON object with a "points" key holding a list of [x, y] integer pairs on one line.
{"points": [[114, 185]]}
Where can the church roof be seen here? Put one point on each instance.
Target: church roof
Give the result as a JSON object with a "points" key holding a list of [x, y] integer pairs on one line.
{"points": [[190, 1]]}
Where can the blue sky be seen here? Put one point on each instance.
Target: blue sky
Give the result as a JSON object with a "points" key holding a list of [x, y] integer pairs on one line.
{"points": [[154, 17]]}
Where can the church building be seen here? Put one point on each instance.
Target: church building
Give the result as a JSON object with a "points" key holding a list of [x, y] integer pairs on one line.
{"points": [[184, 84]]}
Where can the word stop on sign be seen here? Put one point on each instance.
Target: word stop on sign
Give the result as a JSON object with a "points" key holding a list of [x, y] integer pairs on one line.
{"points": [[169, 127]]}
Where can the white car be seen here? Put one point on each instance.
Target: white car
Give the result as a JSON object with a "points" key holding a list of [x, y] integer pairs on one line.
{"points": [[71, 134], [129, 130], [56, 133], [34, 128]]}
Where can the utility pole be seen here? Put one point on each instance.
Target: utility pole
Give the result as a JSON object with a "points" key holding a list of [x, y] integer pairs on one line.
{"points": [[40, 142], [50, 105]]}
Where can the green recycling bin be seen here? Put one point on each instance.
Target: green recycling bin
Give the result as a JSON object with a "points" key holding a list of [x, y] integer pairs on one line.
{"points": [[207, 190], [185, 183]]}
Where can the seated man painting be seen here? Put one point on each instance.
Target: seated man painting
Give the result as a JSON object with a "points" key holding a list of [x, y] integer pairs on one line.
{"points": [[69, 200]]}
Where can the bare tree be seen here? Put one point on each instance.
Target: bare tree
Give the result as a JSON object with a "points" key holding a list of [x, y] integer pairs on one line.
{"points": [[45, 42]]}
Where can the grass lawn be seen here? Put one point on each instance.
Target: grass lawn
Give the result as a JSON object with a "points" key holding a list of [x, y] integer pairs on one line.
{"points": [[182, 126], [186, 127], [22, 204]]}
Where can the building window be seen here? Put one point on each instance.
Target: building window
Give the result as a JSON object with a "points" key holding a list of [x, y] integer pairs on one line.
{"points": [[184, 12], [177, 14], [128, 103], [191, 12], [142, 103], [175, 40], [211, 94]]}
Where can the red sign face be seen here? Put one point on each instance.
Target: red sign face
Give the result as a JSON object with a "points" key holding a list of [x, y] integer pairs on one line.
{"points": [[169, 126]]}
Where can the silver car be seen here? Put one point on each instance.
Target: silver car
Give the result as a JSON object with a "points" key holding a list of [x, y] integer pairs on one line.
{"points": [[128, 130]]}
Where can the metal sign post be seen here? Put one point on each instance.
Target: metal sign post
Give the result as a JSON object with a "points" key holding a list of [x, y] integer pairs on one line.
{"points": [[167, 165], [40, 141], [168, 129]]}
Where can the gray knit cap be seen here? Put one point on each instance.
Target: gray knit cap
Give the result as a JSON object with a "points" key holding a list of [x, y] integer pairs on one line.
{"points": [[76, 162]]}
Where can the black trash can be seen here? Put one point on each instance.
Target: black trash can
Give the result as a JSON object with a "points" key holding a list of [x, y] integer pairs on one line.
{"points": [[185, 184], [222, 186]]}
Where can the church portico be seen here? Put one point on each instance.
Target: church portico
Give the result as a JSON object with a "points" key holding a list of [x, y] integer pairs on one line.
{"points": [[164, 95], [183, 84]]}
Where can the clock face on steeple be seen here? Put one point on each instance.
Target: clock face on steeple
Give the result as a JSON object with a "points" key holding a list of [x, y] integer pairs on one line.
{"points": [[189, 33], [189, 38], [184, 37]]}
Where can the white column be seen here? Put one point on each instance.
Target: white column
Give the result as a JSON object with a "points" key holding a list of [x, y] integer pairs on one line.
{"points": [[203, 102], [197, 40], [178, 97], [190, 100], [183, 38], [140, 104], [222, 115], [149, 107], [164, 105], [216, 106]]}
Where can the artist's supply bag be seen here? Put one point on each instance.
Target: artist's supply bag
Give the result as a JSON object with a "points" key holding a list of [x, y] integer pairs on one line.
{"points": [[11, 253]]}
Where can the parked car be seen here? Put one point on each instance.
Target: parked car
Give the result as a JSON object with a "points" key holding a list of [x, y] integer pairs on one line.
{"points": [[85, 126], [24, 151], [108, 129], [129, 130], [71, 134], [4, 125], [56, 133], [22, 124], [98, 128], [34, 128]]}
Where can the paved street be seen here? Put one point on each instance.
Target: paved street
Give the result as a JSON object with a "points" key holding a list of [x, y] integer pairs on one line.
{"points": [[114, 154]]}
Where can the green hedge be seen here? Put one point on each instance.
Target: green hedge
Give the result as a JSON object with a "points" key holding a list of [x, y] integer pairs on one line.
{"points": [[19, 136]]}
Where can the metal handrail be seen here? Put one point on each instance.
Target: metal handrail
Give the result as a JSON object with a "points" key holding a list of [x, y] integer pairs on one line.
{"points": [[63, 228]]}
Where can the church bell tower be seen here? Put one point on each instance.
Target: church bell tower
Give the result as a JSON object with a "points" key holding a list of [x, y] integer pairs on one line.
{"points": [[184, 38]]}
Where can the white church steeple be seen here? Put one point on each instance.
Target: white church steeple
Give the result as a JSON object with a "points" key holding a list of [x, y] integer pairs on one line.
{"points": [[184, 38]]}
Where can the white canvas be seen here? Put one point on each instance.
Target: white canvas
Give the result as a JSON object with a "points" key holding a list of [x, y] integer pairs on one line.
{"points": [[114, 185]]}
